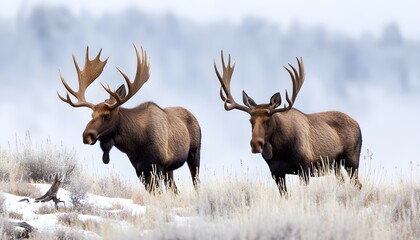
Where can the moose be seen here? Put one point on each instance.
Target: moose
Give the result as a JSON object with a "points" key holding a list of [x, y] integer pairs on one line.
{"points": [[156, 140], [292, 142]]}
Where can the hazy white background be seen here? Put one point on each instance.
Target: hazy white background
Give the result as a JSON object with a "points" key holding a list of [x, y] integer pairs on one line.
{"points": [[362, 58]]}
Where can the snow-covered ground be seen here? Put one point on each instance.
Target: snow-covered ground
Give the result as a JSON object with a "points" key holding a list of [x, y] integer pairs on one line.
{"points": [[234, 208], [34, 214]]}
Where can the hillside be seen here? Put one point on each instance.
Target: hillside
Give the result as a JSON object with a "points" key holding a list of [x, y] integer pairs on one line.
{"points": [[235, 208], [228, 205]]}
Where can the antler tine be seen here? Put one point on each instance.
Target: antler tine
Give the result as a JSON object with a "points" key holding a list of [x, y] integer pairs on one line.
{"points": [[225, 86], [229, 102], [142, 75], [301, 70], [81, 102], [297, 77], [112, 93], [68, 88], [91, 71]]}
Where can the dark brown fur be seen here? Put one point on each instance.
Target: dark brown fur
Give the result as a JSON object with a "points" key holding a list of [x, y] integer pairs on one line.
{"points": [[296, 143], [157, 141], [292, 142]]}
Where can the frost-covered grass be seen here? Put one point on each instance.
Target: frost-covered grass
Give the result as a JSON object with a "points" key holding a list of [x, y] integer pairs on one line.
{"points": [[249, 209], [235, 208], [232, 206], [36, 163]]}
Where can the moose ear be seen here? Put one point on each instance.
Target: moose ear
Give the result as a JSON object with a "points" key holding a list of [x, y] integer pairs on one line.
{"points": [[121, 93], [248, 101], [275, 100]]}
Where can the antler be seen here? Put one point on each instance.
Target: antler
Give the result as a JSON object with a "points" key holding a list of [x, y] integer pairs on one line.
{"points": [[297, 79], [89, 74], [225, 86], [142, 75]]}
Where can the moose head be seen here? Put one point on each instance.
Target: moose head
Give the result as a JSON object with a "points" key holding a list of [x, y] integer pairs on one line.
{"points": [[105, 115], [261, 114]]}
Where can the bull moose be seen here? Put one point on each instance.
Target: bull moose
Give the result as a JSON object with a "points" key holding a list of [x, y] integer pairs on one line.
{"points": [[156, 140], [292, 142]]}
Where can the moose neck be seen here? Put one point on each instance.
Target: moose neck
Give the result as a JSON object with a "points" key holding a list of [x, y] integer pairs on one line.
{"points": [[124, 129], [284, 126], [137, 118]]}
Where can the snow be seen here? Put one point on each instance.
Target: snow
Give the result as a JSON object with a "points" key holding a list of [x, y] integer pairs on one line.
{"points": [[49, 223]]}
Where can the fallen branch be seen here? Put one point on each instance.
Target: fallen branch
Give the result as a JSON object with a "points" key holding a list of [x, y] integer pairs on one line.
{"points": [[51, 194]]}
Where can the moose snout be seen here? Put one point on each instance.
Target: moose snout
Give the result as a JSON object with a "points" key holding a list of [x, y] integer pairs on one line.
{"points": [[257, 145], [89, 137]]}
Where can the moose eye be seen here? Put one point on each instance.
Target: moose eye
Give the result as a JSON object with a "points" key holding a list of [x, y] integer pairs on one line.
{"points": [[106, 116]]}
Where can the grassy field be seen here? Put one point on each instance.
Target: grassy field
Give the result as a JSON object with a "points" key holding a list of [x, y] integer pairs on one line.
{"points": [[228, 207]]}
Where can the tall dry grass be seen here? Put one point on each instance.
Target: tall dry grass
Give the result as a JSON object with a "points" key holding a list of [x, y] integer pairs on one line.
{"points": [[240, 206], [249, 207], [36, 163]]}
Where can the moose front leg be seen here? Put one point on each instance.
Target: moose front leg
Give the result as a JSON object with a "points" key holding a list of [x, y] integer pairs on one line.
{"points": [[151, 177], [106, 146], [170, 182], [151, 183], [304, 176], [281, 183]]}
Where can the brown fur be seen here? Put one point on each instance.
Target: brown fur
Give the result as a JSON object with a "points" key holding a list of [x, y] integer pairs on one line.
{"points": [[292, 142], [157, 141]]}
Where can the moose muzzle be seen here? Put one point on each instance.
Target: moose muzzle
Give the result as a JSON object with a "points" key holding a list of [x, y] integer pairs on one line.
{"points": [[257, 145], [89, 137], [257, 140]]}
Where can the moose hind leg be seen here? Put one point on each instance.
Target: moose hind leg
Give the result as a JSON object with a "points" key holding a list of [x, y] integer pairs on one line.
{"points": [[193, 162], [354, 177], [338, 173], [353, 171]]}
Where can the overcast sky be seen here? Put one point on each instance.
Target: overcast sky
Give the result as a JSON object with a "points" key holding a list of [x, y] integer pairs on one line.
{"points": [[351, 17]]}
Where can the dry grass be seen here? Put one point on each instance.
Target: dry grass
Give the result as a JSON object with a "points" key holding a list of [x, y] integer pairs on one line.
{"points": [[246, 209], [72, 220], [111, 185], [20, 188], [238, 206], [36, 163]]}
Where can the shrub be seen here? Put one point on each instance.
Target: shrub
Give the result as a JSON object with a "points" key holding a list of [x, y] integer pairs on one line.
{"points": [[42, 163], [62, 234], [78, 188]]}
